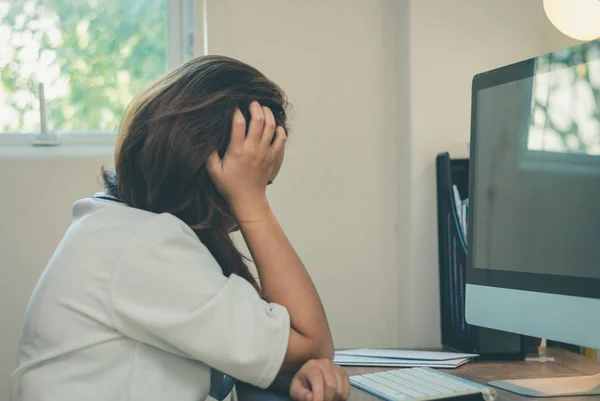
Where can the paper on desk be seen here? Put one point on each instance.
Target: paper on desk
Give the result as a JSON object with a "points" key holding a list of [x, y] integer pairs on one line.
{"points": [[349, 360], [425, 356]]}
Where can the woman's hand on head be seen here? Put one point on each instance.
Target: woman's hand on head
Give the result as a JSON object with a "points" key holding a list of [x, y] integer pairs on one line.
{"points": [[320, 380], [250, 162]]}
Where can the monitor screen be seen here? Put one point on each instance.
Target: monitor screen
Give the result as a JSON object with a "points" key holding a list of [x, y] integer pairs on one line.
{"points": [[535, 177]]}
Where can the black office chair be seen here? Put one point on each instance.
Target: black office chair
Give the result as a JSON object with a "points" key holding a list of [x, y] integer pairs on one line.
{"points": [[221, 385]]}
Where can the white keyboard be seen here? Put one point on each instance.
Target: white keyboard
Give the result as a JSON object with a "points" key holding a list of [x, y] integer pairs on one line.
{"points": [[418, 384]]}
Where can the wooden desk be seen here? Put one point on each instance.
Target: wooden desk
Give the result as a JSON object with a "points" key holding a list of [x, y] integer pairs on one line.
{"points": [[567, 364]]}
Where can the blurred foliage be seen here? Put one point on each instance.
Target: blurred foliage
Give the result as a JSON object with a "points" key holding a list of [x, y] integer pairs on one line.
{"points": [[105, 51], [568, 80]]}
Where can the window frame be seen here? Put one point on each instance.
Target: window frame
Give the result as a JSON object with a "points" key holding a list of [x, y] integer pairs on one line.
{"points": [[186, 38]]}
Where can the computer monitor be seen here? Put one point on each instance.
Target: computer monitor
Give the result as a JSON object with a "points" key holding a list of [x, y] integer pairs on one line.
{"points": [[534, 207]]}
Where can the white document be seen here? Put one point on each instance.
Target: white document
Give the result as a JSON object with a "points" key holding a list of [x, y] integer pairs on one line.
{"points": [[348, 360], [423, 356]]}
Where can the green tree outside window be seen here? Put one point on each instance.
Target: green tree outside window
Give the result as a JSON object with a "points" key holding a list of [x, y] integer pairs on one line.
{"points": [[91, 55]]}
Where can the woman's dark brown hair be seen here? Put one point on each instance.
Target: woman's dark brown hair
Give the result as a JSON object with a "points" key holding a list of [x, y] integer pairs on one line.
{"points": [[168, 133]]}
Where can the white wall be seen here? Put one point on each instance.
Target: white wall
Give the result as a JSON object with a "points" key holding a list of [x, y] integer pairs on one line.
{"points": [[450, 41], [342, 65]]}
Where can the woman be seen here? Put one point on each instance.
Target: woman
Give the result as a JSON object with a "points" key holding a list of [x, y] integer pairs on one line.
{"points": [[146, 293]]}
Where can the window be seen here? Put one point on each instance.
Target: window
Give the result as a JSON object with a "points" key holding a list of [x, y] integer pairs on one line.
{"points": [[90, 57]]}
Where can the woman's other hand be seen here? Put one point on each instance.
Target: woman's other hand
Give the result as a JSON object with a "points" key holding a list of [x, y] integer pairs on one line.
{"points": [[250, 162], [320, 380]]}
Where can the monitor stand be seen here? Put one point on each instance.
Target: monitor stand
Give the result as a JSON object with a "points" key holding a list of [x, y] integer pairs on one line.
{"points": [[552, 387]]}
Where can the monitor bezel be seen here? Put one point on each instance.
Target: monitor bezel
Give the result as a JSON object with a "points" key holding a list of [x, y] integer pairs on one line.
{"points": [[545, 283]]}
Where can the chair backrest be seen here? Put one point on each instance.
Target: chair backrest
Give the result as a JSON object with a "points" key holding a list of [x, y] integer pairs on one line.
{"points": [[221, 385]]}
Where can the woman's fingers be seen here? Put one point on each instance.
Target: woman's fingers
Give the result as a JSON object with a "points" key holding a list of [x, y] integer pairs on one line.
{"points": [[300, 390], [257, 123], [320, 380], [262, 129], [317, 385], [280, 139], [343, 385], [330, 385], [214, 163], [238, 130], [268, 129]]}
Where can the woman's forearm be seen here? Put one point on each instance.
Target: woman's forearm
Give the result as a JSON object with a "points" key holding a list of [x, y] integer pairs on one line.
{"points": [[285, 281]]}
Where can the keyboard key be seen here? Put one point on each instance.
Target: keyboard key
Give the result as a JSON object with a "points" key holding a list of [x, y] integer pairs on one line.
{"points": [[385, 390], [409, 374], [442, 385], [401, 388], [444, 380], [409, 381]]}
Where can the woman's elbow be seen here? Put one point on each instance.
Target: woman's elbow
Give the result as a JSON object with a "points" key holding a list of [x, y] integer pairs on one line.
{"points": [[302, 349]]}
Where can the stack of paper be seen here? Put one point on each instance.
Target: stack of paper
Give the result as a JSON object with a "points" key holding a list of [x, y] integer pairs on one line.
{"points": [[398, 358]]}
